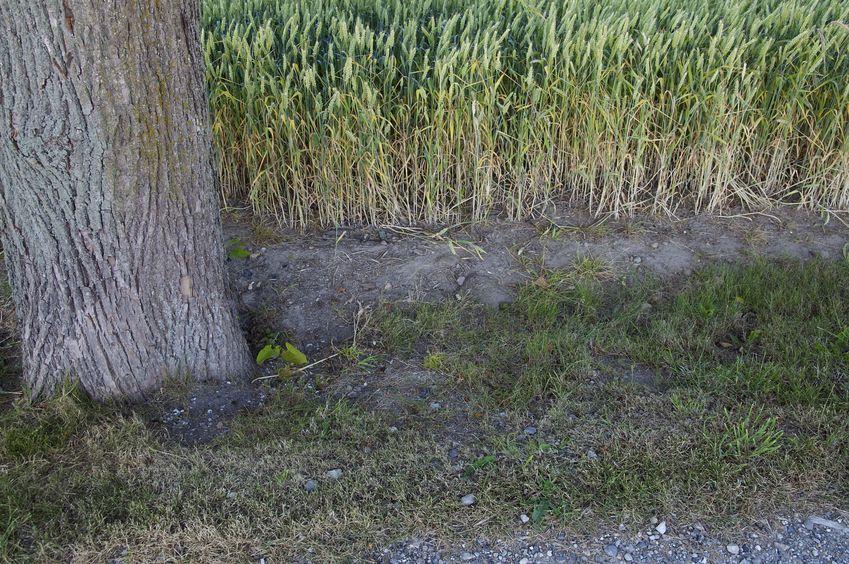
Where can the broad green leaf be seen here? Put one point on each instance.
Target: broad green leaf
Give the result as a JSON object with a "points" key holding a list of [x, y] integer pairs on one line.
{"points": [[293, 356], [268, 352]]}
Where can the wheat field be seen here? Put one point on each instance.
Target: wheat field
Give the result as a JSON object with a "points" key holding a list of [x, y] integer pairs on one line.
{"points": [[329, 112]]}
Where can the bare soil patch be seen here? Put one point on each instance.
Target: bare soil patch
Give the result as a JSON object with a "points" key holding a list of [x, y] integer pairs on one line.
{"points": [[311, 285]]}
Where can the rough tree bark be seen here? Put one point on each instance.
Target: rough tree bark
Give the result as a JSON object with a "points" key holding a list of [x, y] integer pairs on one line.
{"points": [[109, 217]]}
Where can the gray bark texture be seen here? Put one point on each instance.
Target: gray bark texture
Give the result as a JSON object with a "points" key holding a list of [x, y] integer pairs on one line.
{"points": [[108, 197]]}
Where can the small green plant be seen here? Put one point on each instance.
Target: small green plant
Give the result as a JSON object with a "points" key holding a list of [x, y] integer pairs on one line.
{"points": [[478, 465], [236, 250], [749, 438], [687, 405], [434, 361], [591, 268], [287, 352], [543, 504], [355, 356]]}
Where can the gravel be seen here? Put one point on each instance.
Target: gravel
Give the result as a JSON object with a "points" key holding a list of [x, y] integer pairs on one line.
{"points": [[770, 540], [468, 499]]}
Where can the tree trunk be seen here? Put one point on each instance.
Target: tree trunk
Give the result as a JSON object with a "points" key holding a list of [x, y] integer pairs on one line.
{"points": [[110, 220]]}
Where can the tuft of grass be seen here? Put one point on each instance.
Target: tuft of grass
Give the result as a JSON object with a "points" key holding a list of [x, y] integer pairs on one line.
{"points": [[346, 111]]}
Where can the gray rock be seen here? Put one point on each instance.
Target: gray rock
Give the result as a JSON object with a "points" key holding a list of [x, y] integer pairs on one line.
{"points": [[733, 549], [467, 499], [467, 557], [435, 406], [661, 528], [334, 474], [524, 518], [530, 430], [611, 550], [461, 280], [592, 455], [311, 485], [813, 520]]}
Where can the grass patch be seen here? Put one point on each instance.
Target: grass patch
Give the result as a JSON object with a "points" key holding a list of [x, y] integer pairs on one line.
{"points": [[718, 398]]}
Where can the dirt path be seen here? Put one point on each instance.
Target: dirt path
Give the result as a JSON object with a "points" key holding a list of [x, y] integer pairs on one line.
{"points": [[310, 285]]}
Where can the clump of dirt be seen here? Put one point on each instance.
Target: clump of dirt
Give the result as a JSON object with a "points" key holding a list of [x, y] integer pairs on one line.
{"points": [[202, 411]]}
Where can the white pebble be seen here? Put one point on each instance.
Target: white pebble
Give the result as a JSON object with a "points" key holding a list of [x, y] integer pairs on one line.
{"points": [[733, 549]]}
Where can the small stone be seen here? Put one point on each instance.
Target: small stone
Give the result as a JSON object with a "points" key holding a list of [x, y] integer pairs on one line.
{"points": [[661, 528], [461, 280], [733, 549], [524, 561], [628, 557], [813, 520], [524, 518], [453, 453], [654, 245], [388, 286], [435, 406], [467, 557], [311, 485], [638, 260], [467, 499], [782, 547], [653, 520], [592, 455], [334, 474], [530, 430], [393, 429], [611, 550]]}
